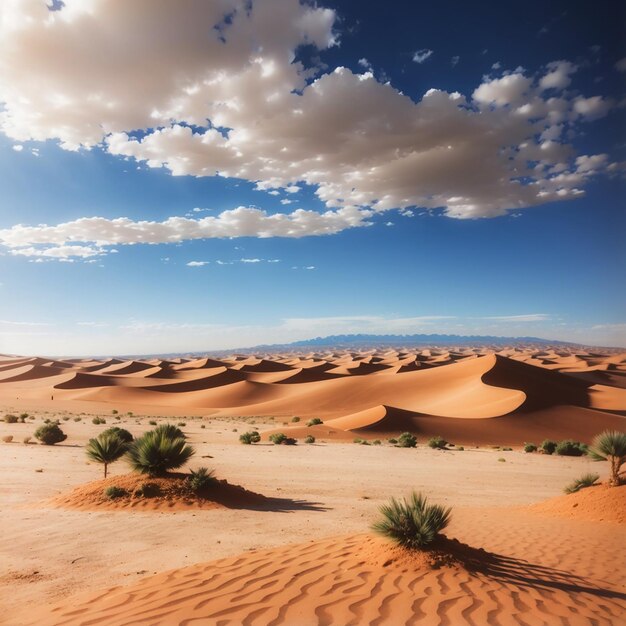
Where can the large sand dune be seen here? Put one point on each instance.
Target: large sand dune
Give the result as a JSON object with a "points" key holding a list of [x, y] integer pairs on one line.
{"points": [[467, 395]]}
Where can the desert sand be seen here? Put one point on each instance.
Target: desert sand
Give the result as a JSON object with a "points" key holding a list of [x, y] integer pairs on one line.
{"points": [[290, 544]]}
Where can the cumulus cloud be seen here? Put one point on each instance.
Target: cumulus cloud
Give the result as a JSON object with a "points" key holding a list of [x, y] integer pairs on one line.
{"points": [[235, 101], [421, 55], [198, 263]]}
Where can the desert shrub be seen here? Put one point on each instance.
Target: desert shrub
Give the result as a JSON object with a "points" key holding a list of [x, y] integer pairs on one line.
{"points": [[183, 424], [199, 480], [610, 446], [122, 433], [376, 442], [147, 490], [114, 412], [314, 421], [152, 423], [10, 419], [407, 440], [49, 434], [295, 419], [155, 453], [78, 419], [586, 480], [278, 438], [507, 449], [26, 440], [461, 448], [170, 431], [250, 437], [24, 417], [98, 420], [568, 447], [202, 425], [114, 492], [7, 438], [107, 448], [437, 443], [501, 460], [309, 439], [392, 441], [365, 442], [66, 418], [357, 440], [530, 447], [548, 446], [412, 523]]}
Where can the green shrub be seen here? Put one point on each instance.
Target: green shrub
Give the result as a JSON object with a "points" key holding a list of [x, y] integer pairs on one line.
{"points": [[152, 422], [155, 453], [377, 442], [250, 437], [392, 441], [437, 443], [49, 434], [309, 439], [586, 480], [114, 492], [122, 433], [610, 446], [24, 417], [107, 448], [200, 480], [365, 442], [78, 419], [357, 440], [98, 420], [295, 419], [114, 412], [277, 438], [314, 422], [407, 440], [183, 424], [147, 490], [170, 431], [548, 446], [412, 523], [10, 419], [530, 447], [568, 447]]}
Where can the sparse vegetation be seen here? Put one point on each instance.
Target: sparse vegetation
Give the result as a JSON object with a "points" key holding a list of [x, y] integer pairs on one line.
{"points": [[147, 490], [530, 447], [152, 423], [548, 446], [9, 418], [171, 431], [295, 420], [182, 424], [122, 433], [437, 443], [49, 434], [461, 448], [98, 420], [392, 441], [309, 439], [155, 453], [412, 523], [107, 448], [114, 412], [282, 439], [314, 422], [407, 440], [568, 447], [114, 492], [200, 480], [610, 446], [586, 480], [377, 442], [507, 449], [250, 437]]}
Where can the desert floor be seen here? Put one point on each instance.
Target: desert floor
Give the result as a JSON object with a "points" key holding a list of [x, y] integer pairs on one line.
{"points": [[557, 570]]}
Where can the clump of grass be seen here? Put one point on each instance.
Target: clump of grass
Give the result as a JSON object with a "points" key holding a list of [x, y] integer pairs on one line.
{"points": [[568, 447], [501, 460], [155, 453], [250, 437], [314, 421], [407, 440], [586, 480], [357, 440], [295, 419], [114, 492], [530, 447], [9, 418], [49, 434], [437, 443], [364, 442], [392, 441], [377, 442], [200, 480], [7, 438], [152, 422], [610, 446], [78, 419], [412, 523], [147, 490], [548, 446], [507, 449], [122, 433], [309, 439], [98, 420], [182, 424]]}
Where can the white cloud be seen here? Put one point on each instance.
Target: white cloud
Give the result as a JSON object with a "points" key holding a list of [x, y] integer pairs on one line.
{"points": [[365, 63], [59, 252], [454, 60], [18, 147], [533, 317], [421, 55], [273, 121], [198, 263], [558, 76]]}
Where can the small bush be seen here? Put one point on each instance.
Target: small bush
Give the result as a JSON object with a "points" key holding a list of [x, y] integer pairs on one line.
{"points": [[437, 443], [114, 412], [295, 420], [24, 417], [147, 490], [407, 440], [7, 438], [66, 418], [78, 419], [278, 438], [152, 423], [250, 437], [314, 422], [414, 523], [49, 434], [122, 433], [27, 440], [377, 442], [530, 447], [309, 439], [155, 453], [392, 441], [548, 446], [357, 440], [10, 419], [507, 449], [501, 460], [183, 424], [586, 480], [365, 442], [202, 425], [200, 480], [568, 447], [461, 448], [98, 420], [114, 492]]}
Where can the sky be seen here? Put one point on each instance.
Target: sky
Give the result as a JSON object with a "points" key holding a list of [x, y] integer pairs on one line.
{"points": [[190, 175]]}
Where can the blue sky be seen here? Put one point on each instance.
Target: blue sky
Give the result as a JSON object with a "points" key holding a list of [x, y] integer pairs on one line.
{"points": [[463, 173]]}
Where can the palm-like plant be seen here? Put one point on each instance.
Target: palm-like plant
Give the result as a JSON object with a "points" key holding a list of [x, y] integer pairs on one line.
{"points": [[106, 449], [610, 446], [412, 523], [155, 453], [171, 431]]}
